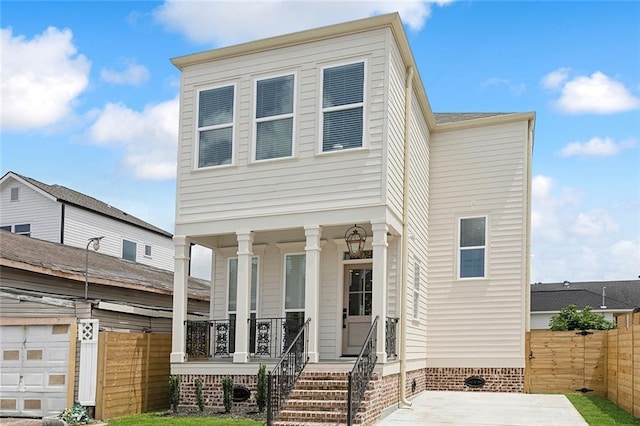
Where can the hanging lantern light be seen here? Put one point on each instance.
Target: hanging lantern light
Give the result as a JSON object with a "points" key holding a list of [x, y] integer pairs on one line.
{"points": [[355, 237]]}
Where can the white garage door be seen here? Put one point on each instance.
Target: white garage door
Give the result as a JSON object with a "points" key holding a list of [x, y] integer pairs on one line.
{"points": [[34, 370]]}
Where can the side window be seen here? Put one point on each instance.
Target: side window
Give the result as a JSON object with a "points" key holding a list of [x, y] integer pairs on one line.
{"points": [[472, 247], [147, 250], [342, 107], [274, 117], [129, 250], [24, 229], [15, 194], [6, 228], [215, 126]]}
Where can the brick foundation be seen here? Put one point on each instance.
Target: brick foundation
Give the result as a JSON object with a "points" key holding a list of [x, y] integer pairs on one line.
{"points": [[497, 379], [212, 389]]}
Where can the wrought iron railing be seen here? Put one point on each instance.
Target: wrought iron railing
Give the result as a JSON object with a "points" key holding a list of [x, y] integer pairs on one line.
{"points": [[209, 339], [269, 337], [391, 333], [284, 375], [362, 372]]}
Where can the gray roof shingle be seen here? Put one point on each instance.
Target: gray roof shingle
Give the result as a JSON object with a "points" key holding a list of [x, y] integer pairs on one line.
{"points": [[554, 296]]}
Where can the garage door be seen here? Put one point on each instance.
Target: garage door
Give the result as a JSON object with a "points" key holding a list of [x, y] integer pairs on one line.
{"points": [[34, 371]]}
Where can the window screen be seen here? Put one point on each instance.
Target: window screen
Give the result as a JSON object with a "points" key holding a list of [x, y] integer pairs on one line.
{"points": [[215, 126]]}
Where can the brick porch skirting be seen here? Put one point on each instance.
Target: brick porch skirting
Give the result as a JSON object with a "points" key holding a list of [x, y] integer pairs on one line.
{"points": [[496, 379]]}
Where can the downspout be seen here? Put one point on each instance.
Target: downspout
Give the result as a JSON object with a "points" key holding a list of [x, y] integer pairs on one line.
{"points": [[405, 239]]}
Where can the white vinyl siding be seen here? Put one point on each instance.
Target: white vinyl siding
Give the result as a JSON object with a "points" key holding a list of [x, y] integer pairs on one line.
{"points": [[481, 170], [343, 89], [216, 195], [40, 211], [215, 126], [274, 117]]}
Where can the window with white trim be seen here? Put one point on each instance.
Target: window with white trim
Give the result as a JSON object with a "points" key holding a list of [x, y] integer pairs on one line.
{"points": [[472, 247], [342, 107], [129, 249], [295, 272], [215, 126], [147, 250], [22, 229], [15, 194], [274, 117], [416, 290]]}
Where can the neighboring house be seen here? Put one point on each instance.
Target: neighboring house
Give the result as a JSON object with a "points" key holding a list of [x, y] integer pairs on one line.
{"points": [[61, 215], [285, 144], [608, 298], [43, 309]]}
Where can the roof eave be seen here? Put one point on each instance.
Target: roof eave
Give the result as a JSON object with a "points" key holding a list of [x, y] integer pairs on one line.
{"points": [[486, 121]]}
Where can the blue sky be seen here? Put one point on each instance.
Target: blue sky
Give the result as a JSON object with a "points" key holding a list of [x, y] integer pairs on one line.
{"points": [[89, 101]]}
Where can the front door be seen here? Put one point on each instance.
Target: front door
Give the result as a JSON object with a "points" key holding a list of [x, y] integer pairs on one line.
{"points": [[356, 312]]}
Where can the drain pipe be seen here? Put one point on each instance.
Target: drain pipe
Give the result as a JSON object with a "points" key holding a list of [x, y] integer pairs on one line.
{"points": [[405, 239]]}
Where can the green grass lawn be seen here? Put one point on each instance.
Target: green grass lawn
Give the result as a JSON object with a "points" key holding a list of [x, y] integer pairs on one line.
{"points": [[151, 419], [599, 411]]}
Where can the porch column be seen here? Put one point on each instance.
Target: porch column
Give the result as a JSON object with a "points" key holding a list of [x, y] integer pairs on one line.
{"points": [[180, 297], [245, 246], [312, 287], [380, 248]]}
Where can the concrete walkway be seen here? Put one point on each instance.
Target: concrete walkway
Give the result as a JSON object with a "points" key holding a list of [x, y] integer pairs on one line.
{"points": [[484, 408]]}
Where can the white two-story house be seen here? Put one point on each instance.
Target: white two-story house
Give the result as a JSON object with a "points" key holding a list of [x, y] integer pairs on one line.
{"points": [[61, 215], [291, 148]]}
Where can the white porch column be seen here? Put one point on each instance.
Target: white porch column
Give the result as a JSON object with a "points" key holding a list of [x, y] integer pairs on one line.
{"points": [[180, 297], [380, 247], [245, 253], [312, 287]]}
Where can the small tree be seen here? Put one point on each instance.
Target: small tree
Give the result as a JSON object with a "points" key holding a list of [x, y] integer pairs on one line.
{"points": [[199, 396], [174, 392], [262, 387], [227, 391], [570, 318]]}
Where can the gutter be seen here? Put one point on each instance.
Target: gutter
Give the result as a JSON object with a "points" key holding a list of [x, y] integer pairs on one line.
{"points": [[405, 240]]}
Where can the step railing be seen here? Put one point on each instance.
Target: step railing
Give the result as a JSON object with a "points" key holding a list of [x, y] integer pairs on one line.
{"points": [[360, 375], [286, 372]]}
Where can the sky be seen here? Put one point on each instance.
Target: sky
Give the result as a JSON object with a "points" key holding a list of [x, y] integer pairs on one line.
{"points": [[89, 100]]}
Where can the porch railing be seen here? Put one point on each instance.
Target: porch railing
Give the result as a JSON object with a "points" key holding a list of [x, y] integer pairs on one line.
{"points": [[270, 337], [284, 375], [362, 372], [391, 333], [210, 339]]}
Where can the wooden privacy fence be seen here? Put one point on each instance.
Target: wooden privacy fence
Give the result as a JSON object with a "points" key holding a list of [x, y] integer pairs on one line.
{"points": [[604, 363], [133, 373]]}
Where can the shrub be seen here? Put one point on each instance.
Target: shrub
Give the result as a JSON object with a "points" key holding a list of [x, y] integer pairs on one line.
{"points": [[262, 387], [199, 396], [174, 392], [227, 390], [570, 318], [76, 415]]}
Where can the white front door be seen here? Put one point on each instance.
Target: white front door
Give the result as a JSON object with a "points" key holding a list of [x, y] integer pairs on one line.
{"points": [[356, 312]]}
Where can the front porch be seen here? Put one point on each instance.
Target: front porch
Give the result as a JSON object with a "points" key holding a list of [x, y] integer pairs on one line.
{"points": [[265, 284]]}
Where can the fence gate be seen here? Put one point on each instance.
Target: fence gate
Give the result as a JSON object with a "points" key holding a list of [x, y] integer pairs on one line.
{"points": [[567, 361]]}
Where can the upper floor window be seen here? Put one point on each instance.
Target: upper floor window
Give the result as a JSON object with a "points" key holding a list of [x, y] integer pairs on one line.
{"points": [[23, 229], [147, 250], [215, 126], [15, 194], [274, 117], [472, 258], [342, 107], [129, 249]]}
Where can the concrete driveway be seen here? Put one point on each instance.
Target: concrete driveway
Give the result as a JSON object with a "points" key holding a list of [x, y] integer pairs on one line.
{"points": [[484, 408]]}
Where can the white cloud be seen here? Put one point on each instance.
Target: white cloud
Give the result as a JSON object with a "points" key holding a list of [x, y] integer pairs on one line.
{"points": [[227, 22], [149, 137], [514, 88], [201, 262], [597, 94], [596, 147], [133, 75], [41, 78], [573, 244], [555, 79]]}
